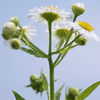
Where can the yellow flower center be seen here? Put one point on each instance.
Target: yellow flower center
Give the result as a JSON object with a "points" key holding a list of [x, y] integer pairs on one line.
{"points": [[52, 8], [86, 26]]}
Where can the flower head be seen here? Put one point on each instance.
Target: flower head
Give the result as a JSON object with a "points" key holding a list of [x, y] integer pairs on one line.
{"points": [[78, 9], [61, 33], [29, 31], [49, 13], [85, 29]]}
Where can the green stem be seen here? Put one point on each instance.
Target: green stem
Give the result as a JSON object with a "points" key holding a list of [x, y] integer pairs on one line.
{"points": [[51, 66], [75, 16], [66, 45]]}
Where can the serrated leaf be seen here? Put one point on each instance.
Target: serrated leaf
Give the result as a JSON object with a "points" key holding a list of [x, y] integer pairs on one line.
{"points": [[33, 52], [58, 93], [17, 96], [88, 91]]}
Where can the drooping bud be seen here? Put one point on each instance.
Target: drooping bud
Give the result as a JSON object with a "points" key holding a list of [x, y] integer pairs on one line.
{"points": [[15, 43], [33, 78], [81, 40], [73, 91], [9, 29], [15, 20], [78, 9]]}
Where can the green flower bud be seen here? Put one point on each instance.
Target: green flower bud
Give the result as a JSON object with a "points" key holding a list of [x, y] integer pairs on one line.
{"points": [[78, 9], [15, 20], [9, 29], [41, 88], [33, 78], [73, 91], [81, 41], [38, 85], [15, 43], [6, 37]]}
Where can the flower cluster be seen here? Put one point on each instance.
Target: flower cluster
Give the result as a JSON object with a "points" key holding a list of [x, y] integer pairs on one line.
{"points": [[14, 34], [62, 26]]}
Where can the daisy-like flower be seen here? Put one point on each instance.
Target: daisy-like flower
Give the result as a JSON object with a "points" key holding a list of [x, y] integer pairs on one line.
{"points": [[48, 14], [29, 31], [85, 29], [61, 33]]}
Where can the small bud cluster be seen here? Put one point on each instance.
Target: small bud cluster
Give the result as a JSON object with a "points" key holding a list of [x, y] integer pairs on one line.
{"points": [[9, 32], [72, 94], [37, 84]]}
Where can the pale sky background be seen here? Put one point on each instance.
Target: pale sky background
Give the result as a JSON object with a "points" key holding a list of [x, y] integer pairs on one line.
{"points": [[80, 68]]}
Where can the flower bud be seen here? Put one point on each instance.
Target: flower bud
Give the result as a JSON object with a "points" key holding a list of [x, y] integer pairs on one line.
{"points": [[41, 88], [33, 78], [15, 20], [73, 91], [81, 41], [15, 43], [38, 85], [78, 9], [6, 37], [9, 29]]}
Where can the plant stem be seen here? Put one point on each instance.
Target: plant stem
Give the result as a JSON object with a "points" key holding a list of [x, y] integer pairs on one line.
{"points": [[51, 66]]}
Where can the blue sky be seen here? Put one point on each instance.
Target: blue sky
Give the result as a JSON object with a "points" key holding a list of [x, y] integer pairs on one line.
{"points": [[80, 68]]}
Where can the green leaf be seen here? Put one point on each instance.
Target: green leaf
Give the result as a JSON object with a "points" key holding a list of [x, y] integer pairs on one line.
{"points": [[55, 80], [88, 91], [17, 96], [46, 85], [67, 49], [28, 85], [58, 93], [43, 76], [33, 52]]}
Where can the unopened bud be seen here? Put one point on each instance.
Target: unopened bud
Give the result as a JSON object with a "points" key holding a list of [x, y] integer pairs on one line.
{"points": [[78, 9], [81, 41], [15, 43], [9, 29], [15, 20], [73, 91], [33, 78]]}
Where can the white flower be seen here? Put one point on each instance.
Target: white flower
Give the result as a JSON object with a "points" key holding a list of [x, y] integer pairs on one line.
{"points": [[85, 29], [61, 32], [29, 31], [48, 13]]}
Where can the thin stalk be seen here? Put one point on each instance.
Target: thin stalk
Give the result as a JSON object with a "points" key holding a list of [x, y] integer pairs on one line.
{"points": [[51, 66], [75, 16], [66, 45]]}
